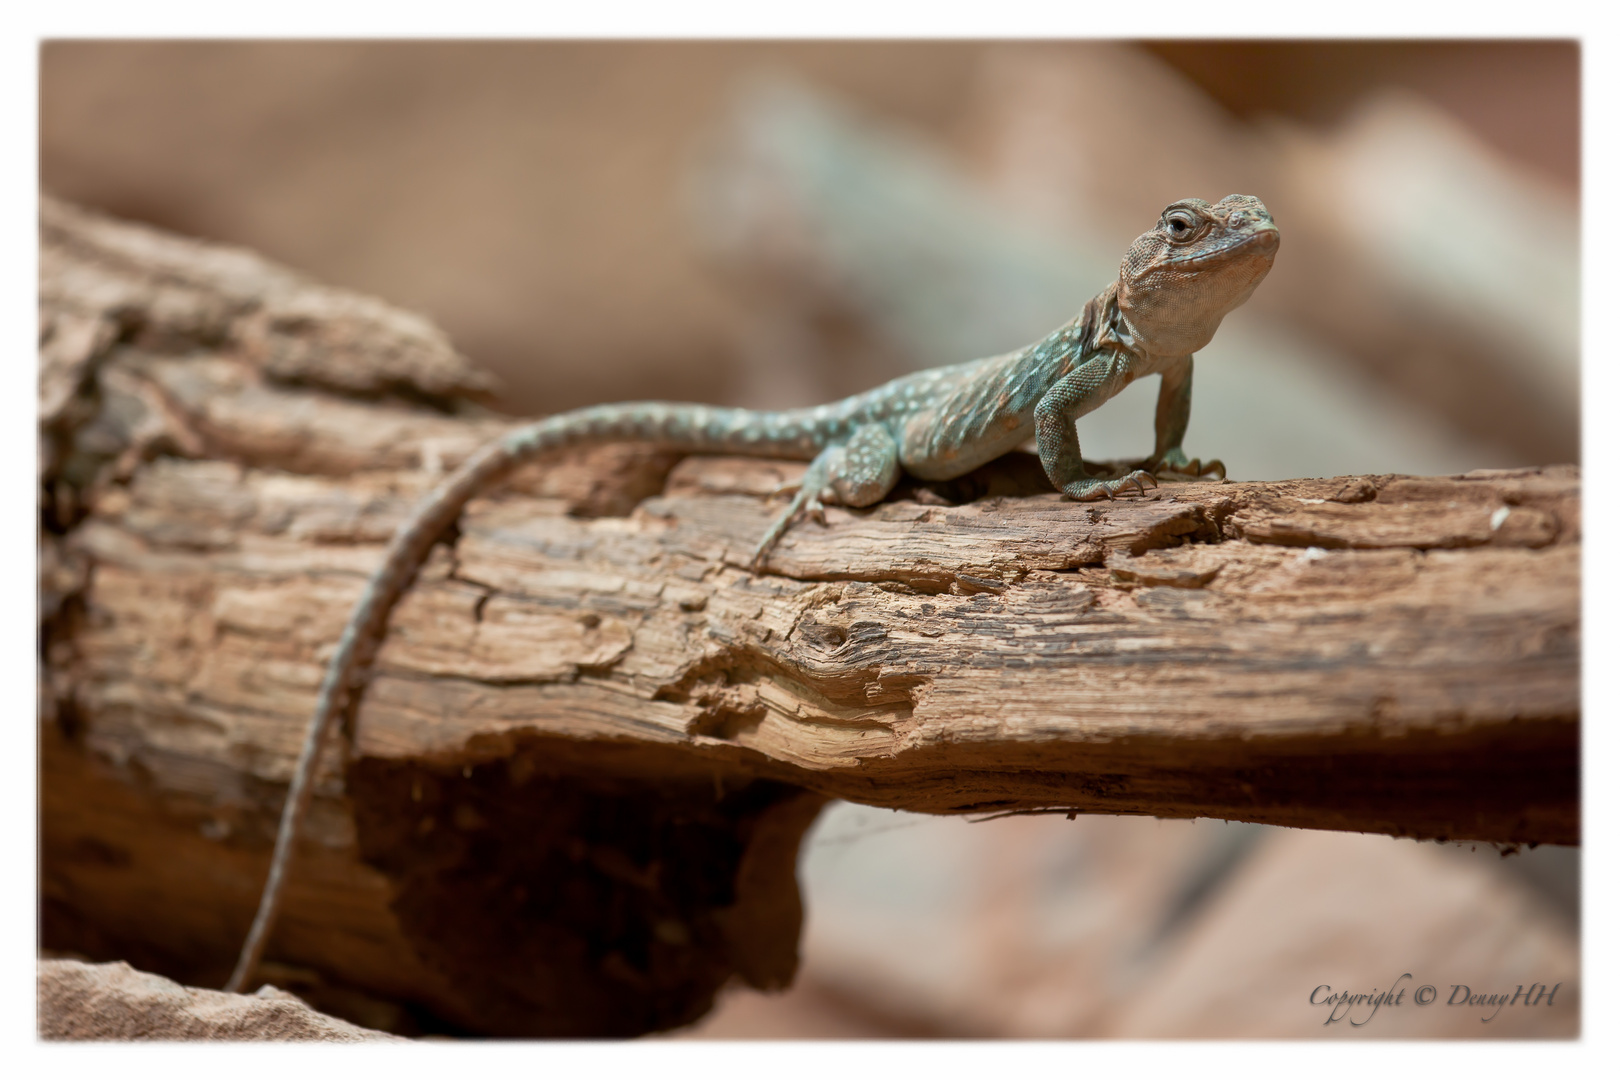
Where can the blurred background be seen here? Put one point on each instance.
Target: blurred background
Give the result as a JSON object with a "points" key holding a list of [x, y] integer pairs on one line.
{"points": [[778, 224]]}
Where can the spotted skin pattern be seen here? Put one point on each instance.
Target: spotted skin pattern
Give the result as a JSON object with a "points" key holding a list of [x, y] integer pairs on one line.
{"points": [[1176, 283]]}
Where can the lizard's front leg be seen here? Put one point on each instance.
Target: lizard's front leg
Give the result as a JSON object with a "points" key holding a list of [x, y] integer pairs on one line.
{"points": [[1170, 425], [1058, 444], [856, 472]]}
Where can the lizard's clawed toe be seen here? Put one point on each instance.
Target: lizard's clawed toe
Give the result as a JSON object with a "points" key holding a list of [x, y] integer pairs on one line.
{"points": [[1194, 469], [1091, 490], [1135, 478]]}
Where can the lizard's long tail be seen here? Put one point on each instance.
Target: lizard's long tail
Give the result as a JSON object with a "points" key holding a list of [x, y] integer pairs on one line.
{"points": [[693, 428]]}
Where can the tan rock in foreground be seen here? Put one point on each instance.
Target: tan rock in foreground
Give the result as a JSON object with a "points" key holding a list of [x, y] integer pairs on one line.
{"points": [[116, 1002]]}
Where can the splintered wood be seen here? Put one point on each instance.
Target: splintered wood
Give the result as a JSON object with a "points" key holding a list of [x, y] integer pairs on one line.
{"points": [[1384, 654]]}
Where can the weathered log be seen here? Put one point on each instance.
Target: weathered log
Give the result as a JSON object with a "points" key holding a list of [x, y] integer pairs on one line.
{"points": [[571, 796]]}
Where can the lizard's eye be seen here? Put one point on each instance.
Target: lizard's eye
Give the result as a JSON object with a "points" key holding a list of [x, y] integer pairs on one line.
{"points": [[1181, 225]]}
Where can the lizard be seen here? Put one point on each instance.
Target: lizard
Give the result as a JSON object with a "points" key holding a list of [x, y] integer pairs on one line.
{"points": [[1176, 283]]}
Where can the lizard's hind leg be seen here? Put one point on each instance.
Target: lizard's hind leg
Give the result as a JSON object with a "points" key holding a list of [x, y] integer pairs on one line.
{"points": [[858, 472], [806, 500], [868, 468]]}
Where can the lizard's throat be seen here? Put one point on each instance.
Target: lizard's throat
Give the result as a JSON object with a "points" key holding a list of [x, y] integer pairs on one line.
{"points": [[1164, 330]]}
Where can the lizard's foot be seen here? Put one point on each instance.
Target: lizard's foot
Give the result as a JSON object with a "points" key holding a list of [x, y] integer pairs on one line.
{"points": [[1176, 463], [803, 503], [1088, 490], [1196, 468]]}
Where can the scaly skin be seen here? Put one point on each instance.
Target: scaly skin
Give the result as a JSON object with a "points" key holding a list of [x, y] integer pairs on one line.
{"points": [[1175, 285]]}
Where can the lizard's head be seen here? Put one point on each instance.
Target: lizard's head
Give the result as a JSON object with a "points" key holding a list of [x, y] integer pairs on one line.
{"points": [[1181, 278]]}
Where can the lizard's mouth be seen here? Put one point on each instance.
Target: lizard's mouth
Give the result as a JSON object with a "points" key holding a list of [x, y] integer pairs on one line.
{"points": [[1261, 239]]}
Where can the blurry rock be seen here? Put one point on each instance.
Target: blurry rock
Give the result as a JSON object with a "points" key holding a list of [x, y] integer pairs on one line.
{"points": [[1131, 927], [1355, 913], [805, 1010], [1022, 926], [1096, 138], [115, 1002], [1522, 96], [1456, 273]]}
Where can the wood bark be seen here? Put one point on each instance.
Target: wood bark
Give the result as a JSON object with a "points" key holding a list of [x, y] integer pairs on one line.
{"points": [[571, 797]]}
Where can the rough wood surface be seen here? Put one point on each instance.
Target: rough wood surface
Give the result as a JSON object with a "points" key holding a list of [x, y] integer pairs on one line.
{"points": [[593, 739]]}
